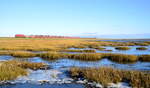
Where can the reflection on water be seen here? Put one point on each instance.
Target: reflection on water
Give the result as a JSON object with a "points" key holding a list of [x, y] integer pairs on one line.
{"points": [[5, 58], [67, 63], [127, 40], [131, 51], [28, 85]]}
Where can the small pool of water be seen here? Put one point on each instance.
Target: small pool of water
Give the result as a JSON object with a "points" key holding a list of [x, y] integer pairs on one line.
{"points": [[68, 63], [131, 51]]}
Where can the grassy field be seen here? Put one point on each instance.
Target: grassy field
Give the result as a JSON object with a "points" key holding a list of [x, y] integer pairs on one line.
{"points": [[56, 44]]}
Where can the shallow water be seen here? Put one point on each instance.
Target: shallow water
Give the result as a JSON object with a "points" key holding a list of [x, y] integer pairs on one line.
{"points": [[68, 63], [29, 85], [127, 40], [131, 51], [57, 76]]}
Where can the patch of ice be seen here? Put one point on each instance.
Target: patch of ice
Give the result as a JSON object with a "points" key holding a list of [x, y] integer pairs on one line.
{"points": [[39, 76], [119, 85]]}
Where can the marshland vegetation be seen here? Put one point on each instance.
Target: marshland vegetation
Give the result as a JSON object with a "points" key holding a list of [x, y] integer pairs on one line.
{"points": [[141, 48], [105, 75], [10, 70], [122, 48], [86, 51]]}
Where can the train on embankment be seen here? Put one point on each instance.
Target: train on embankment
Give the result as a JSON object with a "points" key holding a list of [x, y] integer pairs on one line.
{"points": [[41, 36]]}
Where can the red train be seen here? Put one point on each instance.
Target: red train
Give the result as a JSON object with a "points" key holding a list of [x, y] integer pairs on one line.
{"points": [[41, 36]]}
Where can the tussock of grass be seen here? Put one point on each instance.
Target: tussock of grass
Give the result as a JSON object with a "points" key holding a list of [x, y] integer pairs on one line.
{"points": [[10, 72], [4, 53], [78, 46], [87, 51], [26, 65], [101, 48], [22, 54], [123, 58], [141, 48], [86, 56], [122, 48], [94, 46], [50, 55], [105, 75], [145, 58]]}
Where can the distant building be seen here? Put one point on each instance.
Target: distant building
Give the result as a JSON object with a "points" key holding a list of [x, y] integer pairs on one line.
{"points": [[41, 36]]}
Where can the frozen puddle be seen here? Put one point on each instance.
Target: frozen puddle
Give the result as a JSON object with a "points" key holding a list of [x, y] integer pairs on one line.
{"points": [[43, 76]]}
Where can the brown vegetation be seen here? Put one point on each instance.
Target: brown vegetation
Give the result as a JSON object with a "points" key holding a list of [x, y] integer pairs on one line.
{"points": [[122, 48], [105, 75]]}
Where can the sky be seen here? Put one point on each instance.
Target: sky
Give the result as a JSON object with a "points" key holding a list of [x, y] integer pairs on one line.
{"points": [[74, 17]]}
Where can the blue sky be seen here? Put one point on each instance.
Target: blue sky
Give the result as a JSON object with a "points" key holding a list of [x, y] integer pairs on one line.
{"points": [[74, 17]]}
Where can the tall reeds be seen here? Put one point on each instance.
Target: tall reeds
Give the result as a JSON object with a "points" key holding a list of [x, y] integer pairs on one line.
{"points": [[105, 75]]}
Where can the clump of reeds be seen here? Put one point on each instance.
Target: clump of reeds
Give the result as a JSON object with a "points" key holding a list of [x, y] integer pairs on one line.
{"points": [[26, 65], [10, 72], [22, 54], [86, 56], [142, 44], [86, 51], [122, 48], [101, 48], [3, 52], [141, 48], [145, 58], [50, 55], [122, 58], [105, 75], [94, 46]]}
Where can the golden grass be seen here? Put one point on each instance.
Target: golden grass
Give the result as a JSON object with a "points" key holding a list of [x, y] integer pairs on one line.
{"points": [[10, 70], [141, 48], [26, 65], [122, 58], [50, 55], [122, 48], [86, 56], [72, 50], [22, 54], [105, 75], [145, 58]]}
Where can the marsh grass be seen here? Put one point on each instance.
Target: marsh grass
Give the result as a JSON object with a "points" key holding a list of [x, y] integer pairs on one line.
{"points": [[105, 75], [10, 72], [141, 48], [22, 54], [86, 56], [50, 55], [145, 58], [122, 58], [4, 52], [122, 48], [86, 51], [25, 65]]}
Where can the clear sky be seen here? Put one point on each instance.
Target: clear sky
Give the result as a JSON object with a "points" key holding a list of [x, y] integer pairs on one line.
{"points": [[74, 17]]}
